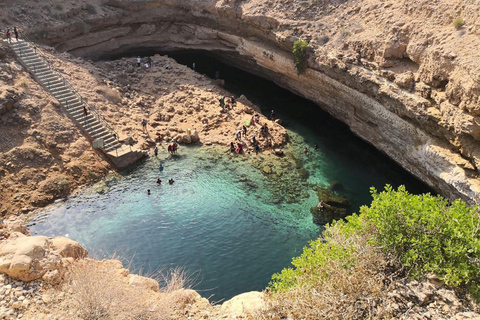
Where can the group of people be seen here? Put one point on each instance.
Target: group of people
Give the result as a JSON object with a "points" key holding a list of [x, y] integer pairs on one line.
{"points": [[170, 181], [8, 33], [238, 148], [159, 182], [172, 148], [147, 64], [224, 104]]}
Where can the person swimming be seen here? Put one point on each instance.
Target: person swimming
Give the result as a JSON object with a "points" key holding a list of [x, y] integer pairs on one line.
{"points": [[160, 167], [171, 181], [159, 181], [148, 192]]}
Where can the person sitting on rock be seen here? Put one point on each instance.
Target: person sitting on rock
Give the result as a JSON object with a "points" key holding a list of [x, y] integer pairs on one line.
{"points": [[321, 205], [239, 148]]}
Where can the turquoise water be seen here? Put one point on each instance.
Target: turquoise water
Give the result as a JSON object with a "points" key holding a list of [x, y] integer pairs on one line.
{"points": [[226, 222]]}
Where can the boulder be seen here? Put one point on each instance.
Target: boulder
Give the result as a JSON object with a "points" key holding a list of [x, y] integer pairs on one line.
{"points": [[328, 214], [242, 99], [187, 139], [335, 207], [27, 258], [278, 152], [245, 303], [267, 170], [68, 248], [333, 199], [405, 80], [194, 136], [278, 121], [143, 282]]}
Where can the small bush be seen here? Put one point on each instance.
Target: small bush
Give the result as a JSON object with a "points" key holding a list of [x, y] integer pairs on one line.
{"points": [[458, 23], [300, 55], [59, 6]]}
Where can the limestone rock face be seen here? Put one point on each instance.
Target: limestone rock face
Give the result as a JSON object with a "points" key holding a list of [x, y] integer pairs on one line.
{"points": [[27, 258], [69, 248], [426, 120], [30, 258], [249, 302], [139, 281]]}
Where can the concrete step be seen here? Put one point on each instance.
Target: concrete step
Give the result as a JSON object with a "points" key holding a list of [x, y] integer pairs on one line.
{"points": [[31, 58], [72, 106], [36, 67], [46, 75], [61, 91], [27, 55]]}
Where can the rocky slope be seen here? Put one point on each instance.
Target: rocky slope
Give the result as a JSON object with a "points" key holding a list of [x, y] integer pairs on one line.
{"points": [[399, 74], [43, 156]]}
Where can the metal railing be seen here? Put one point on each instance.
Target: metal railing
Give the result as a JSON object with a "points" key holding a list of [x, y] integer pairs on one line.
{"points": [[67, 84]]}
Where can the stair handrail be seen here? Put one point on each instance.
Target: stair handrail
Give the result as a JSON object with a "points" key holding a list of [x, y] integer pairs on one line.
{"points": [[93, 111]]}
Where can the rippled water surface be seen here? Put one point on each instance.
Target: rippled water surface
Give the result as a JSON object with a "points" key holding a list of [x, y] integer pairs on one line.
{"points": [[223, 218]]}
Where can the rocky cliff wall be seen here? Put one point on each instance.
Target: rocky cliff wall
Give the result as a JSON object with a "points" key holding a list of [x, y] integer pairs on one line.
{"points": [[398, 88]]}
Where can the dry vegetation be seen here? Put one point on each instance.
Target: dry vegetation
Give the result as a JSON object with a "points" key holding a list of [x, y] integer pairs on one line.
{"points": [[352, 288], [95, 290]]}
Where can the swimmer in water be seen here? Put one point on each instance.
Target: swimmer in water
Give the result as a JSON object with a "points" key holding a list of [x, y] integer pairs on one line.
{"points": [[148, 192], [159, 182], [171, 181]]}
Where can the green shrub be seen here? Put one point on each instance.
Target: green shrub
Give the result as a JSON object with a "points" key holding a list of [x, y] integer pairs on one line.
{"points": [[300, 55], [425, 233], [428, 234], [59, 6], [459, 22]]}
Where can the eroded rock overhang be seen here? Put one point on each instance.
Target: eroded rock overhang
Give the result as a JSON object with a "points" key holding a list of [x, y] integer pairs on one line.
{"points": [[392, 119]]}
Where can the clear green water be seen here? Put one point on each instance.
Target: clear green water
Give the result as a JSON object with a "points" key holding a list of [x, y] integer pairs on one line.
{"points": [[223, 218]]}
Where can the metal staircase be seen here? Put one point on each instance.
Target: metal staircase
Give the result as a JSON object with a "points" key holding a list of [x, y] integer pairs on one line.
{"points": [[40, 67]]}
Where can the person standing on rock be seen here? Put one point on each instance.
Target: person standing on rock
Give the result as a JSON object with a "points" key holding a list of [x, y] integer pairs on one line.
{"points": [[149, 61], [16, 33], [9, 36], [194, 67], [155, 151], [85, 111], [144, 125], [239, 135], [244, 131], [139, 61], [272, 115]]}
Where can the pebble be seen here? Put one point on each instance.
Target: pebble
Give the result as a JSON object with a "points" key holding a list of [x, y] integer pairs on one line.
{"points": [[15, 297]]}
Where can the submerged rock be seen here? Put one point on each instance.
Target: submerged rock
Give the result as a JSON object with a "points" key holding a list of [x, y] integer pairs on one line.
{"points": [[328, 214], [335, 207], [333, 199]]}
